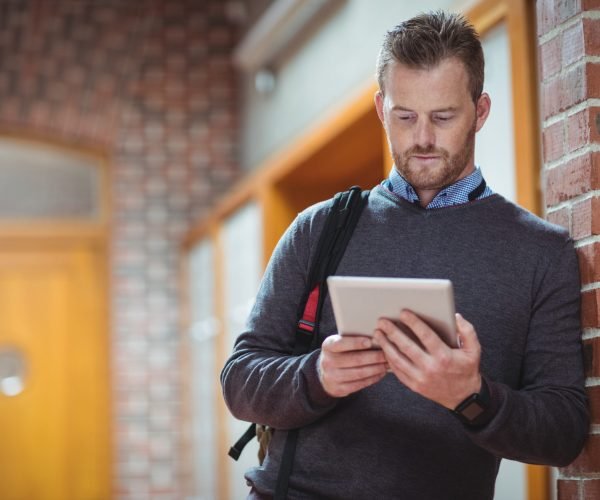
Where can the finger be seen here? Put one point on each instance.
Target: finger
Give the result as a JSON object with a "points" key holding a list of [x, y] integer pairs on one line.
{"points": [[346, 375], [343, 381], [430, 340], [395, 358], [402, 341], [357, 359], [339, 343], [467, 334]]}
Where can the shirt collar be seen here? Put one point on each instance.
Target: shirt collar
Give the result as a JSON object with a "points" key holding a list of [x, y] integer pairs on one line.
{"points": [[454, 194]]}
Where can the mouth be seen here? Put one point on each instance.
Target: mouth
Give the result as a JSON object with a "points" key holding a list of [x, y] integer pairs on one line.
{"points": [[425, 157]]}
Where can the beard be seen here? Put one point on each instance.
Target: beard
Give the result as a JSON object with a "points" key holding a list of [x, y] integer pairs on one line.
{"points": [[447, 169]]}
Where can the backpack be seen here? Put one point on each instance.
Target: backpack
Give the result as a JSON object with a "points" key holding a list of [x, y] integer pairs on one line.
{"points": [[340, 223]]}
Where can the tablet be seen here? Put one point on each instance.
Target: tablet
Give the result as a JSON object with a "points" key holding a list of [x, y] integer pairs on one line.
{"points": [[358, 303]]}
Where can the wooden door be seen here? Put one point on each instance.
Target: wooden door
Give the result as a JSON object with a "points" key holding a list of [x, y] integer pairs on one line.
{"points": [[54, 434]]}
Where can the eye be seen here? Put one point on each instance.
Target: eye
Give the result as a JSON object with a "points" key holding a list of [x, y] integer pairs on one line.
{"points": [[404, 117], [445, 117]]}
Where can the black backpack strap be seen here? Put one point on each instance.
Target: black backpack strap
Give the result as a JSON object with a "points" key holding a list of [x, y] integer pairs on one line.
{"points": [[341, 220], [236, 450], [337, 231]]}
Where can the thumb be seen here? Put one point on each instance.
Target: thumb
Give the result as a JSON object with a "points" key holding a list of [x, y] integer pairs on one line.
{"points": [[466, 334]]}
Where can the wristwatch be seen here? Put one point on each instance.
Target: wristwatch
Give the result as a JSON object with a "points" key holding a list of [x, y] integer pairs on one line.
{"points": [[472, 408]]}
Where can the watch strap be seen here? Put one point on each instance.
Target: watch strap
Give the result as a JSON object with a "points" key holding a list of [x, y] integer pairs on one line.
{"points": [[473, 409]]}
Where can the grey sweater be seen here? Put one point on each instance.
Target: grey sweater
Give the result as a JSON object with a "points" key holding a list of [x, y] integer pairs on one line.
{"points": [[515, 278]]}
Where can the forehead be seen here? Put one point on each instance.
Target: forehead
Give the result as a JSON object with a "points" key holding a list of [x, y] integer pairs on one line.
{"points": [[446, 84]]}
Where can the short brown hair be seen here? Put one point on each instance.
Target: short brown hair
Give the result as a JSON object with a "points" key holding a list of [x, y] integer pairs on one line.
{"points": [[425, 40]]}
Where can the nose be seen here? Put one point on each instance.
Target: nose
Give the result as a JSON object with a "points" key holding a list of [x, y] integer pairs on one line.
{"points": [[424, 134]]}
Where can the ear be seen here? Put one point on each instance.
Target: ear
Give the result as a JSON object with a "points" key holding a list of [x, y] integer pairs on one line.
{"points": [[379, 105], [482, 109]]}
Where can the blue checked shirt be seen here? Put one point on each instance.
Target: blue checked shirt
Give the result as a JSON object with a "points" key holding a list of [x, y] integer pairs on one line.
{"points": [[455, 194]]}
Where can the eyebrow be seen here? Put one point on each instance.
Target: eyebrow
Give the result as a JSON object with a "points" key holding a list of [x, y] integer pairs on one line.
{"points": [[449, 109]]}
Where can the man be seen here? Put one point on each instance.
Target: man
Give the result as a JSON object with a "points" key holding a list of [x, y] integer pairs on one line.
{"points": [[397, 417]]}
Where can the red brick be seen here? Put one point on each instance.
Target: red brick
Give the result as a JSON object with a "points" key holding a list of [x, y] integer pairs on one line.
{"points": [[589, 459], [592, 78], [591, 489], [594, 397], [573, 46], [589, 263], [39, 114], [578, 84], [591, 5], [546, 16], [590, 309], [560, 217], [591, 357], [551, 92], [573, 88], [567, 489], [10, 110], [586, 218], [578, 176], [591, 34], [27, 87], [566, 9], [583, 128], [550, 57], [553, 140]]}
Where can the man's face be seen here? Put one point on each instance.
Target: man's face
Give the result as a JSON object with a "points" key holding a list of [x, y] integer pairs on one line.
{"points": [[430, 120]]}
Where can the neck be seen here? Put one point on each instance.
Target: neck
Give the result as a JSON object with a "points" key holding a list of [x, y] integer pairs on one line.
{"points": [[426, 196]]}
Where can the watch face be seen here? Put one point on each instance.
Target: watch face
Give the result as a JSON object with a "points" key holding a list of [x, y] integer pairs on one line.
{"points": [[472, 410]]}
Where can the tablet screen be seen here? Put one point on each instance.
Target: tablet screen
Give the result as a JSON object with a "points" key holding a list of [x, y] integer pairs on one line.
{"points": [[358, 302]]}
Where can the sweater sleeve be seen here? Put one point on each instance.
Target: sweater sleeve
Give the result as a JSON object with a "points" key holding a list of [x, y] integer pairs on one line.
{"points": [[262, 382], [546, 420]]}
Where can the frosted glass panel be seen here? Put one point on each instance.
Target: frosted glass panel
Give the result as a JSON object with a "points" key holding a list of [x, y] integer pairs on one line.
{"points": [[242, 248], [38, 182], [202, 285], [203, 370], [494, 146]]}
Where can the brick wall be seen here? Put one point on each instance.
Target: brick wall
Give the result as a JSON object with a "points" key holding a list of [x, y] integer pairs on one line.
{"points": [[149, 84], [569, 53]]}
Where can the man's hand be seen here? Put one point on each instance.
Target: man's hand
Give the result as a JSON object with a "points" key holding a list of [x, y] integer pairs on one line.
{"points": [[348, 364], [432, 369]]}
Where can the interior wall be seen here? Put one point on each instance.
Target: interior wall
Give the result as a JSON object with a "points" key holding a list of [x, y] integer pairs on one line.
{"points": [[326, 70], [149, 85]]}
